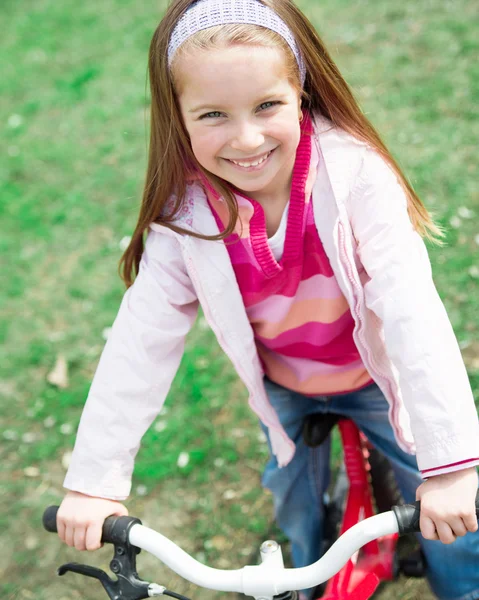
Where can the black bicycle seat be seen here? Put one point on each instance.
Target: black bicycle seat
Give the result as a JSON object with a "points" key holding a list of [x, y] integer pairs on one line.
{"points": [[317, 427]]}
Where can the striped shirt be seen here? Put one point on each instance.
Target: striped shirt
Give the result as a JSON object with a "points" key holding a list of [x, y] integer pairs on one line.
{"points": [[302, 323]]}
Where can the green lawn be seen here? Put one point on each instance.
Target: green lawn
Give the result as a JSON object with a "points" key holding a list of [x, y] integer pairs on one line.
{"points": [[74, 110]]}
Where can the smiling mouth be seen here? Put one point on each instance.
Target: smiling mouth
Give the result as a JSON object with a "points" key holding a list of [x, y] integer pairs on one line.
{"points": [[251, 164]]}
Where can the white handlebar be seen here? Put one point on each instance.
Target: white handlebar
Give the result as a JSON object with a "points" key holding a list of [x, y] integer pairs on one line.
{"points": [[270, 578]]}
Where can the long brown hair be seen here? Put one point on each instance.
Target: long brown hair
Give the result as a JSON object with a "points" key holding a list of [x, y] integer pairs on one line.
{"points": [[171, 158]]}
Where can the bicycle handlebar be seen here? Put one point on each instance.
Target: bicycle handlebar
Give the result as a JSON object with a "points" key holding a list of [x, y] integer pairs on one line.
{"points": [[270, 578]]}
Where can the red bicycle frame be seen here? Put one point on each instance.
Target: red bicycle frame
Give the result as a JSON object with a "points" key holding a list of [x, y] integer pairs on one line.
{"points": [[361, 575]]}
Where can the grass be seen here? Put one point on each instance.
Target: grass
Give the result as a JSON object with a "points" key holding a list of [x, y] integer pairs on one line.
{"points": [[74, 109]]}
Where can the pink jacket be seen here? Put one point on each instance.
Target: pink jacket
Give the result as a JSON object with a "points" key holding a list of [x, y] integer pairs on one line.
{"points": [[401, 328]]}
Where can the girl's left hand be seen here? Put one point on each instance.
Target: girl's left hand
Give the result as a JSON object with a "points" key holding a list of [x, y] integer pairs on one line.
{"points": [[448, 506]]}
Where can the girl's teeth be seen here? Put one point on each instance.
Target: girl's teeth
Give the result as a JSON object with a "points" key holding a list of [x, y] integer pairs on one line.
{"points": [[252, 164]]}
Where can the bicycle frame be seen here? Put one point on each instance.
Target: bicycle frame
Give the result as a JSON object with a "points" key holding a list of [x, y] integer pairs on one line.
{"points": [[376, 561]]}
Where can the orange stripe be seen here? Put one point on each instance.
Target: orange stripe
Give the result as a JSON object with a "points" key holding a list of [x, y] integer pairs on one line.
{"points": [[333, 383], [317, 310]]}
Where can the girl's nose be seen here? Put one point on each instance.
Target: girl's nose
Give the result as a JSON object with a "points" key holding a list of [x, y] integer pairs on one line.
{"points": [[247, 137]]}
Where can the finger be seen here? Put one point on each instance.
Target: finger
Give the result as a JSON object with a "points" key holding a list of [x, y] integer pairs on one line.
{"points": [[79, 538], [121, 512], [428, 528], [445, 532], [458, 527], [470, 521], [93, 537], [69, 535], [61, 529]]}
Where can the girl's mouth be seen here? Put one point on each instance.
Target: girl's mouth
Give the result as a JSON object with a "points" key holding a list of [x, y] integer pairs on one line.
{"points": [[254, 167]]}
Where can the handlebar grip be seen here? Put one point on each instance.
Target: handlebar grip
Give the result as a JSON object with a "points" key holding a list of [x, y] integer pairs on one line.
{"points": [[115, 529], [50, 519], [408, 516]]}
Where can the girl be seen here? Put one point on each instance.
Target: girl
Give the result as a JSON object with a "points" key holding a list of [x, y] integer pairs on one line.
{"points": [[272, 202]]}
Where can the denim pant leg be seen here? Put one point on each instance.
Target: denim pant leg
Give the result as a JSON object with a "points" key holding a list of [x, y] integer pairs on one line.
{"points": [[298, 488], [453, 569]]}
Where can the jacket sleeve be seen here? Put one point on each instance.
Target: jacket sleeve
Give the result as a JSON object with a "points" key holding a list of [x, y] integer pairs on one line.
{"points": [[135, 372], [419, 338]]}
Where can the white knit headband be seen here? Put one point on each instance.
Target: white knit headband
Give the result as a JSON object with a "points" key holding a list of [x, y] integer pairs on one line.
{"points": [[203, 14]]}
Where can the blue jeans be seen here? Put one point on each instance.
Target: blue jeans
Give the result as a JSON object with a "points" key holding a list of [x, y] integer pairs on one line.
{"points": [[298, 488]]}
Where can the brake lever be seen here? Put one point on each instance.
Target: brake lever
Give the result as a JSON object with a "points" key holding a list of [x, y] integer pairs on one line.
{"points": [[128, 585]]}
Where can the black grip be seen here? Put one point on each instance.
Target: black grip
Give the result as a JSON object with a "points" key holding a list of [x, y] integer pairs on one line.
{"points": [[115, 529], [408, 516], [50, 519]]}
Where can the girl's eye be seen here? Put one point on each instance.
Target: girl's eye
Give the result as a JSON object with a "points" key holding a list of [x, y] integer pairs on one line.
{"points": [[216, 112]]}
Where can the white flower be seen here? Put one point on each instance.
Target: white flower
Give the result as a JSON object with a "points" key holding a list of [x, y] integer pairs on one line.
{"points": [[141, 490], [455, 222], [29, 437], [229, 495], [465, 213], [124, 242], [160, 426], [476, 239], [183, 460], [474, 272], [66, 459], [15, 121], [105, 333], [219, 462], [49, 422], [66, 428], [10, 434], [31, 542], [262, 437]]}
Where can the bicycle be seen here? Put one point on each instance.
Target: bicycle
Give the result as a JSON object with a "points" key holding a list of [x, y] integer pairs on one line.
{"points": [[342, 573]]}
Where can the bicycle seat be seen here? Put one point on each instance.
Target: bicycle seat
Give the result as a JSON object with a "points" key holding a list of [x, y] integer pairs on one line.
{"points": [[317, 427]]}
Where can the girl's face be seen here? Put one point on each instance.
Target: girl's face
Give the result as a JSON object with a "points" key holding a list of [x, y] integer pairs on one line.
{"points": [[238, 105]]}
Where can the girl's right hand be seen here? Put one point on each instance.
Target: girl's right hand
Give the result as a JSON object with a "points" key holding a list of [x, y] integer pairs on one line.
{"points": [[80, 519]]}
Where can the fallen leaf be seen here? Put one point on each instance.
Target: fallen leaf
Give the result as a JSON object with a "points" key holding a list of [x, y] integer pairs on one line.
{"points": [[58, 376], [220, 542], [31, 471]]}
